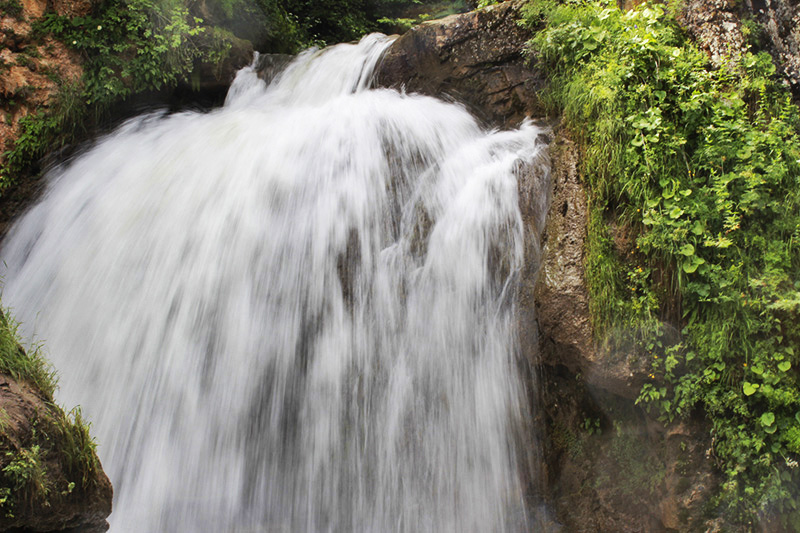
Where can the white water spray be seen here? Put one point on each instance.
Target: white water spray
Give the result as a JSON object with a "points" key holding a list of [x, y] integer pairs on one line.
{"points": [[294, 313]]}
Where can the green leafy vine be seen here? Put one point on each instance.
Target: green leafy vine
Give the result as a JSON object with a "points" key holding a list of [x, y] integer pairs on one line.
{"points": [[701, 166]]}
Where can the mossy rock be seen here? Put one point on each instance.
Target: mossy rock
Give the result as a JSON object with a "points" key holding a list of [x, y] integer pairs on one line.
{"points": [[50, 476]]}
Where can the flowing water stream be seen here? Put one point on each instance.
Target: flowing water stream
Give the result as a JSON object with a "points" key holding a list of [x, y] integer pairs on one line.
{"points": [[293, 313]]}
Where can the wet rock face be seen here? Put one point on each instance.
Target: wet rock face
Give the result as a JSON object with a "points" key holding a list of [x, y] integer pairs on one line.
{"points": [[608, 465], [474, 58], [561, 294]]}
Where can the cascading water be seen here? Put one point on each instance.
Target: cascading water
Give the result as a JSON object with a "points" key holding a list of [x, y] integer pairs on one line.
{"points": [[294, 313]]}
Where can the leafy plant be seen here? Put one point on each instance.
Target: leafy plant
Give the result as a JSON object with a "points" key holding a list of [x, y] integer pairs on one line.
{"points": [[701, 167], [591, 425], [135, 45], [27, 475]]}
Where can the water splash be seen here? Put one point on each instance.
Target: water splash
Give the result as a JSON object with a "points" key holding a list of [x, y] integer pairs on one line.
{"points": [[294, 313]]}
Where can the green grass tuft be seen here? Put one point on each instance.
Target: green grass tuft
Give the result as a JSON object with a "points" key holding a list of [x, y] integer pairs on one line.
{"points": [[29, 366]]}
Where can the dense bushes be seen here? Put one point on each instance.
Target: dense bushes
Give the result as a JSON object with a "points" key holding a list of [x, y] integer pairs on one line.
{"points": [[701, 167]]}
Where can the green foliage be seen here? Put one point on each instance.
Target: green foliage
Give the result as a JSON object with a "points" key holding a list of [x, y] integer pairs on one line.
{"points": [[402, 15], [332, 21], [11, 8], [753, 32], [78, 447], [701, 167], [27, 476], [29, 366], [265, 23], [135, 45], [592, 425], [129, 46]]}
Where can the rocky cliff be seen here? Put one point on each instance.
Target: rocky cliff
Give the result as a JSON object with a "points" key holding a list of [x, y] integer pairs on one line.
{"points": [[608, 465], [725, 28]]}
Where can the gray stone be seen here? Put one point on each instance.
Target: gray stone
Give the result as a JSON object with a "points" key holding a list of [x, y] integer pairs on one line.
{"points": [[473, 58]]}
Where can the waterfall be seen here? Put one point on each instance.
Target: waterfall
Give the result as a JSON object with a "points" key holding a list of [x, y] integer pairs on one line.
{"points": [[292, 313]]}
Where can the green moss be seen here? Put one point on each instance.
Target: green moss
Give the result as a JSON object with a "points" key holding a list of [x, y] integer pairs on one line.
{"points": [[637, 471], [567, 440], [701, 167]]}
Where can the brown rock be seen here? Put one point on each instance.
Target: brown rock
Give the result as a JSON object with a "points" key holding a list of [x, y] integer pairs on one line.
{"points": [[14, 79], [715, 27], [74, 8], [534, 191], [562, 295], [13, 32], [609, 467], [474, 58], [780, 20], [33, 9], [27, 85], [31, 422]]}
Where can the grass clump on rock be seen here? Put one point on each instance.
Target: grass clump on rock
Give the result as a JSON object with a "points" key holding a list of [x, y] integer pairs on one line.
{"points": [[48, 462]]}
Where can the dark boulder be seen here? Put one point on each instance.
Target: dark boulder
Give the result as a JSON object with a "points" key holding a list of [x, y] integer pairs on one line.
{"points": [[474, 58]]}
